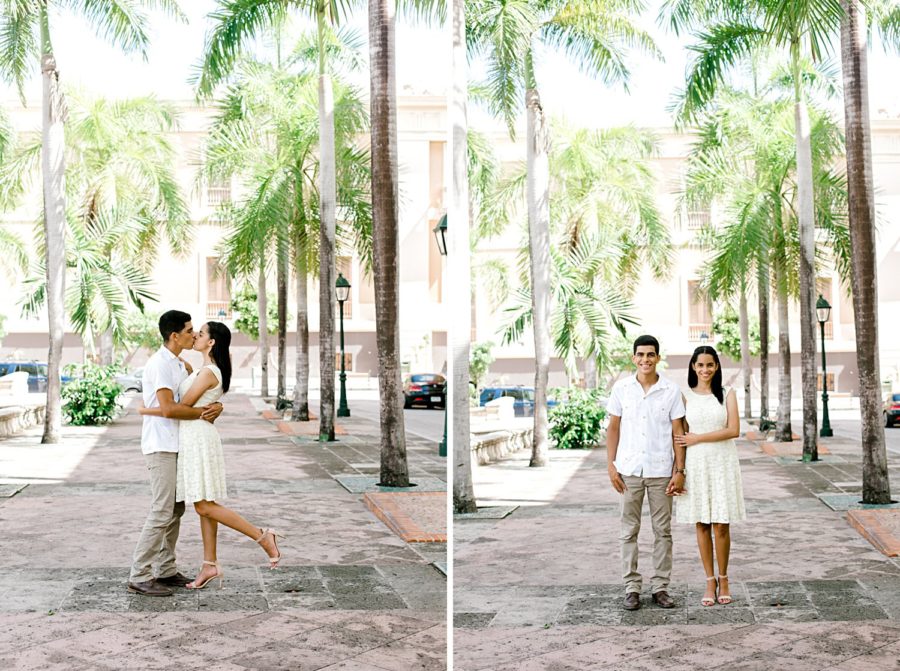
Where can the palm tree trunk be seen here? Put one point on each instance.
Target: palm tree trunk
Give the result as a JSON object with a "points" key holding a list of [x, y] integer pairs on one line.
{"points": [[385, 235], [806, 217], [763, 299], [461, 296], [746, 369], [538, 188], [107, 347], [783, 431], [876, 485], [590, 372], [282, 280], [54, 174], [300, 409], [262, 302], [327, 258]]}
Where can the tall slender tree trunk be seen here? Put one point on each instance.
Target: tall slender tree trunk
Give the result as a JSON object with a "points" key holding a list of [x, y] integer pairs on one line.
{"points": [[807, 269], [282, 281], [461, 297], [263, 303], [763, 299], [746, 369], [590, 371], [54, 187], [783, 431], [876, 485], [538, 190], [327, 227], [385, 239], [300, 409], [107, 347]]}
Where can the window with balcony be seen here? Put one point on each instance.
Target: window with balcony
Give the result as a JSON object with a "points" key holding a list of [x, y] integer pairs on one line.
{"points": [[218, 290], [218, 192], [699, 313]]}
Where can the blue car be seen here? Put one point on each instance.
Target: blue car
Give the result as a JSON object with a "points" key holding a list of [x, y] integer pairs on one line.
{"points": [[37, 374], [523, 396]]}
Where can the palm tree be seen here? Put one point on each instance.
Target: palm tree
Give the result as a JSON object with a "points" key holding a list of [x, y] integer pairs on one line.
{"points": [[26, 31], [266, 133], [731, 31], [876, 485], [507, 33]]}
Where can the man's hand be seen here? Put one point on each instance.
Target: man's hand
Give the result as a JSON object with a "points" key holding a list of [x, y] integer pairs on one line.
{"points": [[212, 411], [617, 482], [676, 485]]}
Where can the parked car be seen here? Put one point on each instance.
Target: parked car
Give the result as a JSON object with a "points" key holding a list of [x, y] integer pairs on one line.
{"points": [[891, 409], [425, 388], [524, 398], [37, 374], [131, 381]]}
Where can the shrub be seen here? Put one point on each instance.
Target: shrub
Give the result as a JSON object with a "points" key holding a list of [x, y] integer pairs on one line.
{"points": [[576, 423], [90, 398]]}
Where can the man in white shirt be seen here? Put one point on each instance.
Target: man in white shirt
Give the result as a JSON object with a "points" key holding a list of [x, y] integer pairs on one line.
{"points": [[163, 374], [645, 412]]}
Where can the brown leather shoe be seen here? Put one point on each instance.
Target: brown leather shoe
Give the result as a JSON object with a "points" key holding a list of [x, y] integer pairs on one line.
{"points": [[663, 600], [174, 580], [149, 588], [632, 601]]}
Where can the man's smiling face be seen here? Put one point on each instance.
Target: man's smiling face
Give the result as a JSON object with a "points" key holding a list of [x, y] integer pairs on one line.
{"points": [[645, 358]]}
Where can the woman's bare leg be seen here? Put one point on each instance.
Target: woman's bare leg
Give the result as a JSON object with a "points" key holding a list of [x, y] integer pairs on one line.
{"points": [[231, 519], [722, 533], [209, 530], [705, 545]]}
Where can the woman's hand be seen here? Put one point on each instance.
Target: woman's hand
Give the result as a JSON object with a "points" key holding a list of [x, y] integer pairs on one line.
{"points": [[687, 439]]}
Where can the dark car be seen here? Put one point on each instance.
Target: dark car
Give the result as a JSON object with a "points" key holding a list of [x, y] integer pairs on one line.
{"points": [[891, 409], [425, 388], [523, 405], [37, 374]]}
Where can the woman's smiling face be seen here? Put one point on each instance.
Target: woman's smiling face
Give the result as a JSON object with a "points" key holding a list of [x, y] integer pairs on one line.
{"points": [[705, 367]]}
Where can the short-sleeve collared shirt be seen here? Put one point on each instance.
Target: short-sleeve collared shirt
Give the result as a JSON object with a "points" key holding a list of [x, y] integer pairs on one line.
{"points": [[164, 370], [645, 433]]}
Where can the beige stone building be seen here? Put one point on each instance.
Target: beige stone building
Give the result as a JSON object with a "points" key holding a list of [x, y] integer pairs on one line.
{"points": [[192, 283], [673, 310]]}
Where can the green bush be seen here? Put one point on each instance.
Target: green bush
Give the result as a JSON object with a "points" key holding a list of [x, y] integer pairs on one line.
{"points": [[90, 398], [576, 423]]}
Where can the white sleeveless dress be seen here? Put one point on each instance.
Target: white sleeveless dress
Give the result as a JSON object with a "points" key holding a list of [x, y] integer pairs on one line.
{"points": [[201, 462], [713, 477]]}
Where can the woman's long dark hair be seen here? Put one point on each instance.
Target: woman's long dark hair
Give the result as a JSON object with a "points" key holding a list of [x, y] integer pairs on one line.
{"points": [[717, 376], [220, 353]]}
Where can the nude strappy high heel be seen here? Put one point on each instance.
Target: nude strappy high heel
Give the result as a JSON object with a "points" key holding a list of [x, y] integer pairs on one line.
{"points": [[273, 561], [707, 600], [220, 575], [724, 599]]}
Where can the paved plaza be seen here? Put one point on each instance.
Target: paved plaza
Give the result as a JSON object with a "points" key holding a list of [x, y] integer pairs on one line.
{"points": [[350, 593], [541, 587]]}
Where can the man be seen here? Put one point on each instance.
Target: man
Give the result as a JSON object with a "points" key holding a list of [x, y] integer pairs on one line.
{"points": [[645, 411], [164, 372]]}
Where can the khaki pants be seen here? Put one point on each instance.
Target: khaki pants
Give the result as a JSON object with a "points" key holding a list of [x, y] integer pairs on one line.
{"points": [[660, 518], [157, 543]]}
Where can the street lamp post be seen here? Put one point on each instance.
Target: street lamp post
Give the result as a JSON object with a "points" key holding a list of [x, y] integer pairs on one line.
{"points": [[342, 289], [440, 237], [823, 312]]}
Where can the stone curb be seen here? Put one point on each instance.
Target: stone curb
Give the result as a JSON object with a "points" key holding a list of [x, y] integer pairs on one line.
{"points": [[390, 508]]}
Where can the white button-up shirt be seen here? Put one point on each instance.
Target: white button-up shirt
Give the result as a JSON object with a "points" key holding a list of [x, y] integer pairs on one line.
{"points": [[164, 370], [645, 433]]}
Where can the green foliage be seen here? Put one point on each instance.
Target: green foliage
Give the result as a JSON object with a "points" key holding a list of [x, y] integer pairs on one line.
{"points": [[142, 330], [726, 326], [577, 421], [480, 360], [2, 326], [90, 398], [244, 305]]}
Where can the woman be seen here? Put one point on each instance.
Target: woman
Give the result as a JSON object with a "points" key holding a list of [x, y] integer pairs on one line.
{"points": [[713, 498], [201, 465]]}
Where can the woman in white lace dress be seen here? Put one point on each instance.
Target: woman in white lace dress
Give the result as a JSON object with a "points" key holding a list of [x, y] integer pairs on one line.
{"points": [[713, 496], [201, 464]]}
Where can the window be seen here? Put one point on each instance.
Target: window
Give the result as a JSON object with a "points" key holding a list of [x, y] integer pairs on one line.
{"points": [[348, 361], [218, 290], [829, 378], [218, 192], [699, 312]]}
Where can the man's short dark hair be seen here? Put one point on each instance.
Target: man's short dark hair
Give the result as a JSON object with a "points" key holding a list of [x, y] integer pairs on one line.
{"points": [[171, 322], [646, 340]]}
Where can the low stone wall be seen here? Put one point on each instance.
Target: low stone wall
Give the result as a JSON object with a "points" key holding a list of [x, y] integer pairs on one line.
{"points": [[493, 446], [15, 418]]}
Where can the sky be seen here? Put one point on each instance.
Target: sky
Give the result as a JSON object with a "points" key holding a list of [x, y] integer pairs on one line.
{"points": [[423, 64]]}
